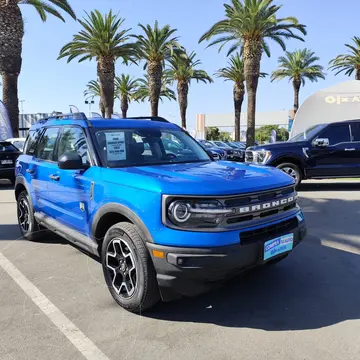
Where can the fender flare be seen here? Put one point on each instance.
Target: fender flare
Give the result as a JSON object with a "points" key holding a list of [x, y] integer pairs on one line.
{"points": [[122, 210], [22, 181], [287, 157]]}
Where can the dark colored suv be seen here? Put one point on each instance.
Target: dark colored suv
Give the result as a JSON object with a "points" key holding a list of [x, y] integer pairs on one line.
{"points": [[322, 151]]}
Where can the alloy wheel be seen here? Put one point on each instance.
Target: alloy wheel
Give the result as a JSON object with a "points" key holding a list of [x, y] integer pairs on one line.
{"points": [[121, 266], [290, 171], [24, 215]]}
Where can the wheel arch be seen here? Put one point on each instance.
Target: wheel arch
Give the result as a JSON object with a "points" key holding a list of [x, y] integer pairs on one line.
{"points": [[112, 213], [290, 159]]}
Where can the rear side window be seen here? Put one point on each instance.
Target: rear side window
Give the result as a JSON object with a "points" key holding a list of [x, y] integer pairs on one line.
{"points": [[355, 130], [31, 141], [336, 134], [46, 147], [7, 147]]}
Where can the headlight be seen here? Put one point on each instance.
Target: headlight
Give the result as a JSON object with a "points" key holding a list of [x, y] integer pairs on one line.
{"points": [[194, 213], [261, 157]]}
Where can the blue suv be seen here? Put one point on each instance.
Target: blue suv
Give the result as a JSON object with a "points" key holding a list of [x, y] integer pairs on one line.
{"points": [[164, 224]]}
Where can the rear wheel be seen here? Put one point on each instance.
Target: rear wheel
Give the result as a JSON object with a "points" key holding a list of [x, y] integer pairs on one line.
{"points": [[29, 227], [128, 268], [292, 170]]}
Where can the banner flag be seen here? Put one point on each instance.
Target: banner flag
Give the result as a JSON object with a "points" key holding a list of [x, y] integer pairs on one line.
{"points": [[5, 127]]}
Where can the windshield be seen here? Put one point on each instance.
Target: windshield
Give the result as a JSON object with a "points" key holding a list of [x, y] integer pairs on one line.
{"points": [[308, 133], [143, 147], [7, 147], [221, 144]]}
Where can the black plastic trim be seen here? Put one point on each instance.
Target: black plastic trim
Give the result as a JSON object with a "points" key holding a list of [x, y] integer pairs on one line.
{"points": [[122, 210]]}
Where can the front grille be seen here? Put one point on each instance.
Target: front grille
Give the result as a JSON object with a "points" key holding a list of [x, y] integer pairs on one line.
{"points": [[268, 232], [249, 156]]}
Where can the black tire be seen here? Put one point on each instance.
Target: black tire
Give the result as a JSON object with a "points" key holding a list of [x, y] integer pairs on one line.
{"points": [[32, 232], [292, 170], [145, 292]]}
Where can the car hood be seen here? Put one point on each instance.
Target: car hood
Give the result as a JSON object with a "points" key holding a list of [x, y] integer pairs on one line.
{"points": [[278, 145], [210, 178]]}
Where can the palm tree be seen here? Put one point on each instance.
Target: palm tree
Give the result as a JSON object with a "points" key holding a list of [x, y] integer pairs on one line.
{"points": [[92, 91], [11, 35], [143, 91], [125, 88], [155, 46], [182, 69], [298, 66], [348, 62], [248, 24], [103, 39], [235, 72]]}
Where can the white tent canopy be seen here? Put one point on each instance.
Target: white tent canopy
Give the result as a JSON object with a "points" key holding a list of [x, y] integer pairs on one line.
{"points": [[336, 103]]}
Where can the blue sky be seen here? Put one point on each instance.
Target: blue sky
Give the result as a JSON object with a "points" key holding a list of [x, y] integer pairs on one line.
{"points": [[47, 84]]}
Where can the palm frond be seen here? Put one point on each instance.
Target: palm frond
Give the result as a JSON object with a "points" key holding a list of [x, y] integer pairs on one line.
{"points": [[50, 7]]}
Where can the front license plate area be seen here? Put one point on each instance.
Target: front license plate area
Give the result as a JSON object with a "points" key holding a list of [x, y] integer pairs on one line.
{"points": [[6, 162], [278, 246]]}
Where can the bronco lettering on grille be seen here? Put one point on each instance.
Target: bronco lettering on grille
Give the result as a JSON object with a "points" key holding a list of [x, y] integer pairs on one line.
{"points": [[266, 206]]}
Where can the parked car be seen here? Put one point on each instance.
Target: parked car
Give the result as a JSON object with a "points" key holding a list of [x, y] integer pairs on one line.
{"points": [[216, 153], [163, 225], [239, 148], [322, 151], [18, 142], [231, 153], [8, 156]]}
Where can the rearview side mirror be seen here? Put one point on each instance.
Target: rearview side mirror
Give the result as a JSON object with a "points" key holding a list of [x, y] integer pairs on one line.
{"points": [[321, 142], [70, 161]]}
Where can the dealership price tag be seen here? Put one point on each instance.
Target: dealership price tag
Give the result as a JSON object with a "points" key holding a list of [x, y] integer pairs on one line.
{"points": [[115, 146]]}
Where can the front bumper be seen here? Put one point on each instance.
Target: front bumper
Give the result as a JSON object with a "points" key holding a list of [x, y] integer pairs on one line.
{"points": [[192, 271]]}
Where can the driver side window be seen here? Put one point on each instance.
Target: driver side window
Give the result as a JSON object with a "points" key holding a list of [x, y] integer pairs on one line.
{"points": [[73, 139], [336, 134]]}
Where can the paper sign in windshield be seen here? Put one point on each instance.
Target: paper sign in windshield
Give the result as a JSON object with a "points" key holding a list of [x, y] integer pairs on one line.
{"points": [[115, 146]]}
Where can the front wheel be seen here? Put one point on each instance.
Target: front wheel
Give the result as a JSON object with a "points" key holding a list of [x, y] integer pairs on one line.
{"points": [[128, 268], [29, 227], [292, 170]]}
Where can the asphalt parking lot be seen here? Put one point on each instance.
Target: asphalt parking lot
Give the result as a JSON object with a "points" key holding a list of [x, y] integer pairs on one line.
{"points": [[307, 307]]}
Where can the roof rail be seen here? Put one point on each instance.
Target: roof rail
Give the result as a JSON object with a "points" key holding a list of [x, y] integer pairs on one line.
{"points": [[152, 118], [71, 116]]}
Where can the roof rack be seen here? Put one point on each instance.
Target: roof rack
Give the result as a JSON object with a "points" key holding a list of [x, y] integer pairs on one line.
{"points": [[152, 118], [71, 116]]}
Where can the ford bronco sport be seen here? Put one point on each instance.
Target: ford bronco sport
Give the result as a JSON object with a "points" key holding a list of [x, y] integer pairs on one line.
{"points": [[163, 224]]}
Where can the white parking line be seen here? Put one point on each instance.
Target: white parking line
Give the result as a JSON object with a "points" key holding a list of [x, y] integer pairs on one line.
{"points": [[86, 347]]}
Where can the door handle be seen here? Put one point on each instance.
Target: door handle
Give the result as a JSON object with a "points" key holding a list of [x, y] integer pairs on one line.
{"points": [[352, 149], [31, 172], [54, 177]]}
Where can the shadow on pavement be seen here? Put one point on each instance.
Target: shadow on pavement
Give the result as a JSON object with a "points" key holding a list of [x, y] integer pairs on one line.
{"points": [[326, 185], [316, 286]]}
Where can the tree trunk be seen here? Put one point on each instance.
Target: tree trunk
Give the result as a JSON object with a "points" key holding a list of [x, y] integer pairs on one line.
{"points": [[10, 99], [183, 90], [102, 108], [296, 85], [124, 106], [106, 74], [357, 74], [11, 34], [252, 59], [239, 92], [155, 70]]}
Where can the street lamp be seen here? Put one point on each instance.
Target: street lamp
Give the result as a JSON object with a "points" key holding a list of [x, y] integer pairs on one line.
{"points": [[89, 102]]}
